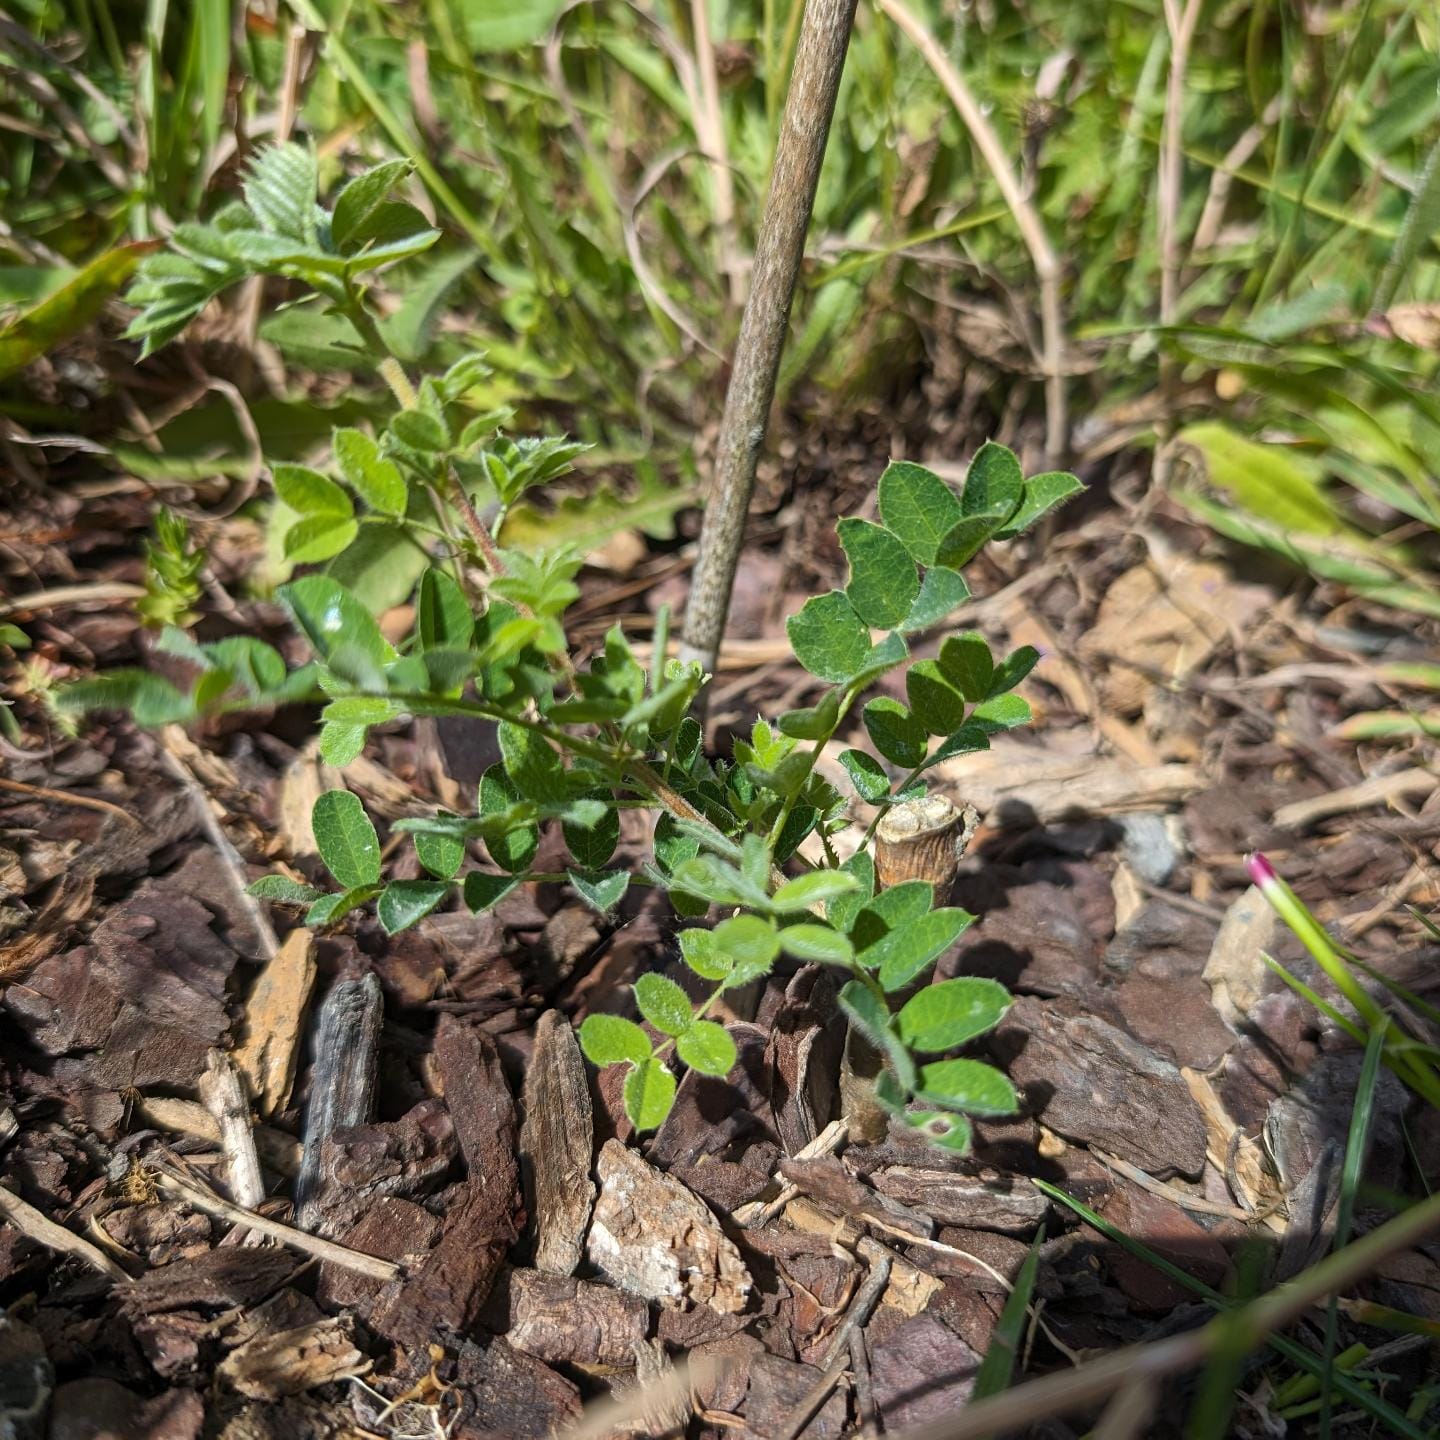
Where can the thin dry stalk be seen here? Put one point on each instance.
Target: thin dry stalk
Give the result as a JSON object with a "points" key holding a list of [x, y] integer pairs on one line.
{"points": [[44, 1231], [356, 1260], [1181, 25], [779, 249], [1235, 159], [234, 865], [710, 128], [1027, 219]]}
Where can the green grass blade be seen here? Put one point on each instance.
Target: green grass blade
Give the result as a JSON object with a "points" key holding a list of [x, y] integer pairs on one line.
{"points": [[998, 1366]]}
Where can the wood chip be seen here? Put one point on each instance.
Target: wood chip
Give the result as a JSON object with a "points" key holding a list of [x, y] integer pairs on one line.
{"points": [[1413, 784], [557, 1143], [275, 1022], [294, 1361], [567, 1321], [224, 1098], [342, 1086], [653, 1237], [1011, 1206]]}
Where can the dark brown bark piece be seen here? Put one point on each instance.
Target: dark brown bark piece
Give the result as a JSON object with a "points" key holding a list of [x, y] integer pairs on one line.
{"points": [[921, 1371], [557, 1146], [217, 1280], [508, 1395], [342, 1085], [1089, 1081], [445, 1294], [147, 995], [653, 1237], [831, 1183], [481, 1108], [294, 1361], [1007, 1204], [390, 1228], [85, 1409], [562, 1320], [777, 1387]]}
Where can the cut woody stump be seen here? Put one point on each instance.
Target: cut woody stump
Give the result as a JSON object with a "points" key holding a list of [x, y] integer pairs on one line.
{"points": [[915, 840]]}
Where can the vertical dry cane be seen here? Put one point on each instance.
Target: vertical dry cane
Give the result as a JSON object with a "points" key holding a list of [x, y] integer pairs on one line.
{"points": [[779, 248]]}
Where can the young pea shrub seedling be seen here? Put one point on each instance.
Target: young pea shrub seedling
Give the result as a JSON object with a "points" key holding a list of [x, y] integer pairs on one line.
{"points": [[580, 742]]}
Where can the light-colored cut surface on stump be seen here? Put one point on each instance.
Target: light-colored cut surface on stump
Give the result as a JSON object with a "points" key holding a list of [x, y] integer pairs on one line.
{"points": [[557, 1141], [651, 1236]]}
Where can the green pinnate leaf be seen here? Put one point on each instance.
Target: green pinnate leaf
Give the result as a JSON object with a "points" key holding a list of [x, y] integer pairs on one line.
{"points": [[331, 909], [708, 1048], [534, 764], [340, 744], [817, 943], [968, 1085], [866, 774], [918, 507], [308, 492], [332, 620], [592, 838], [403, 902], [649, 1093], [994, 483], [967, 740], [934, 701], [748, 945], [346, 839], [602, 890], [441, 855], [870, 1015], [484, 892], [376, 480], [1001, 712], [664, 1004], [280, 191], [443, 619], [895, 906], [951, 1013], [420, 431], [319, 537], [966, 662], [1010, 672], [814, 723], [965, 538], [883, 581], [703, 953], [941, 592], [896, 733], [829, 639], [948, 1131], [909, 948], [842, 909], [720, 883], [1043, 493], [358, 201], [609, 1040], [816, 888], [512, 843], [283, 890]]}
